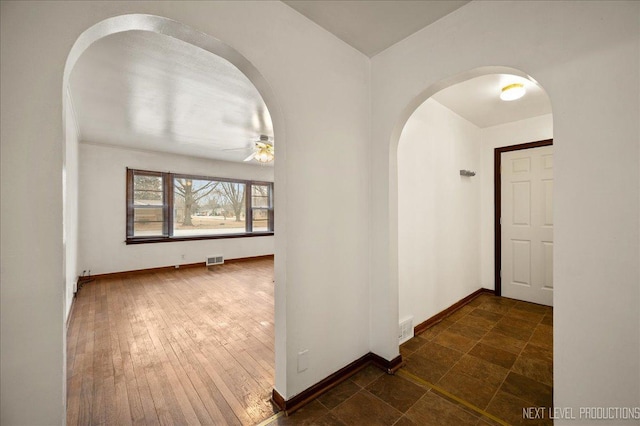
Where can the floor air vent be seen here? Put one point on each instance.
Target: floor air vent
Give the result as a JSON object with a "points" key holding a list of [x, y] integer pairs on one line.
{"points": [[215, 260]]}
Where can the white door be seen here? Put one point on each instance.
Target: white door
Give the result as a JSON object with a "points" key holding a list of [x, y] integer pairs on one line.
{"points": [[527, 225]]}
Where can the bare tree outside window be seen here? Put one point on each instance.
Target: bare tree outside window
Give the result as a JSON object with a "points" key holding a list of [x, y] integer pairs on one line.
{"points": [[191, 192], [163, 206], [207, 206], [232, 195]]}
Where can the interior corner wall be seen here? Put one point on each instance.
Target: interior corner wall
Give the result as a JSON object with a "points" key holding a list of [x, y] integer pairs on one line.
{"points": [[518, 132], [70, 195], [438, 211], [102, 213], [571, 49], [321, 88]]}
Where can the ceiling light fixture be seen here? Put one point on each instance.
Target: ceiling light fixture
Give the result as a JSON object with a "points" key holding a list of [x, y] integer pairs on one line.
{"points": [[264, 155], [263, 151], [513, 91]]}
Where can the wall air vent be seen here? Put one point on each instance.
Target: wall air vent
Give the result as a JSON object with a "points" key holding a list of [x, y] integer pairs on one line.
{"points": [[405, 330], [215, 260]]}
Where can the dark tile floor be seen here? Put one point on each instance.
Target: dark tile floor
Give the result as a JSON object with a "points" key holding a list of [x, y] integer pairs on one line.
{"points": [[495, 353]]}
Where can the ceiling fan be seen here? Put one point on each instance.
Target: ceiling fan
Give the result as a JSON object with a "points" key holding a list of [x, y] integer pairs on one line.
{"points": [[263, 151]]}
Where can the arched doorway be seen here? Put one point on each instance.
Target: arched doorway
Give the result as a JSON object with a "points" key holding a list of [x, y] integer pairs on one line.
{"points": [[166, 28], [445, 180], [433, 153]]}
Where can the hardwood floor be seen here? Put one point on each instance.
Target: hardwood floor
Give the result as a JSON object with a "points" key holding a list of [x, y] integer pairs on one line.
{"points": [[188, 346]]}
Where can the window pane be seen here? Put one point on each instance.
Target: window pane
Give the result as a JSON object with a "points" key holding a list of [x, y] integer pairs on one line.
{"points": [[147, 190], [208, 207], [148, 202], [260, 220], [147, 221], [260, 196]]}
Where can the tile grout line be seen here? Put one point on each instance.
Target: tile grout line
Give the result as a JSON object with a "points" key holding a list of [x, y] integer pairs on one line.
{"points": [[517, 357], [444, 392], [469, 353], [383, 401], [510, 368], [528, 341], [360, 388], [426, 384]]}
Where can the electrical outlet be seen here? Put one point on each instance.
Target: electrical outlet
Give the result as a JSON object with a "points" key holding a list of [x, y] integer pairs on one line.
{"points": [[303, 360]]}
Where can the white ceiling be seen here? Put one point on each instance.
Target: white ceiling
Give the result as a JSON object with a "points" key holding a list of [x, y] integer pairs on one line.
{"points": [[144, 90], [372, 26], [147, 91], [478, 100]]}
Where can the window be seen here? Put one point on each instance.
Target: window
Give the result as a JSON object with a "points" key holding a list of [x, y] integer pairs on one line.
{"points": [[208, 207], [176, 207], [262, 208], [149, 206]]}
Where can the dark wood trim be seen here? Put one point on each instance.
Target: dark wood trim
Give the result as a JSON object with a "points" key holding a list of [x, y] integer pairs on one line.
{"points": [[129, 210], [250, 258], [390, 367], [248, 203], [168, 210], [497, 209], [311, 393], [131, 206], [73, 306], [85, 279], [168, 205], [279, 400], [272, 219], [307, 395], [149, 240], [448, 311], [142, 271], [199, 177], [217, 179]]}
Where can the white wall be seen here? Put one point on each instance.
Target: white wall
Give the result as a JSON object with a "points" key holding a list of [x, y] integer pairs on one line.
{"points": [[103, 211], [438, 220], [445, 221], [70, 205], [321, 88], [587, 57], [518, 132], [331, 100]]}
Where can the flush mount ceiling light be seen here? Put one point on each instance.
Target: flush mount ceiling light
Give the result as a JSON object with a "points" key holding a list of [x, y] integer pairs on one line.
{"points": [[513, 91]]}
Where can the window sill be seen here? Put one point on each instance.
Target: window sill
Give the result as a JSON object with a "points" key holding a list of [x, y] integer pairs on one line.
{"points": [[148, 240]]}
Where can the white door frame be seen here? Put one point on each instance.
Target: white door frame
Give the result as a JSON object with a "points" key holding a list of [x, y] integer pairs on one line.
{"points": [[497, 191]]}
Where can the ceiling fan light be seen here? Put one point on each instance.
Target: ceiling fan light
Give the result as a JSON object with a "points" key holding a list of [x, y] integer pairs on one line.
{"points": [[511, 92], [264, 156], [262, 151]]}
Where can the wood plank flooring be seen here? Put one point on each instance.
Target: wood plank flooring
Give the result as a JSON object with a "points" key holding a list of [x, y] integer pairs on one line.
{"points": [[188, 346]]}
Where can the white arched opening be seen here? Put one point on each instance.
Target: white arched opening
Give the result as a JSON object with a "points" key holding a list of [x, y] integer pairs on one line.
{"points": [[441, 224], [174, 29]]}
